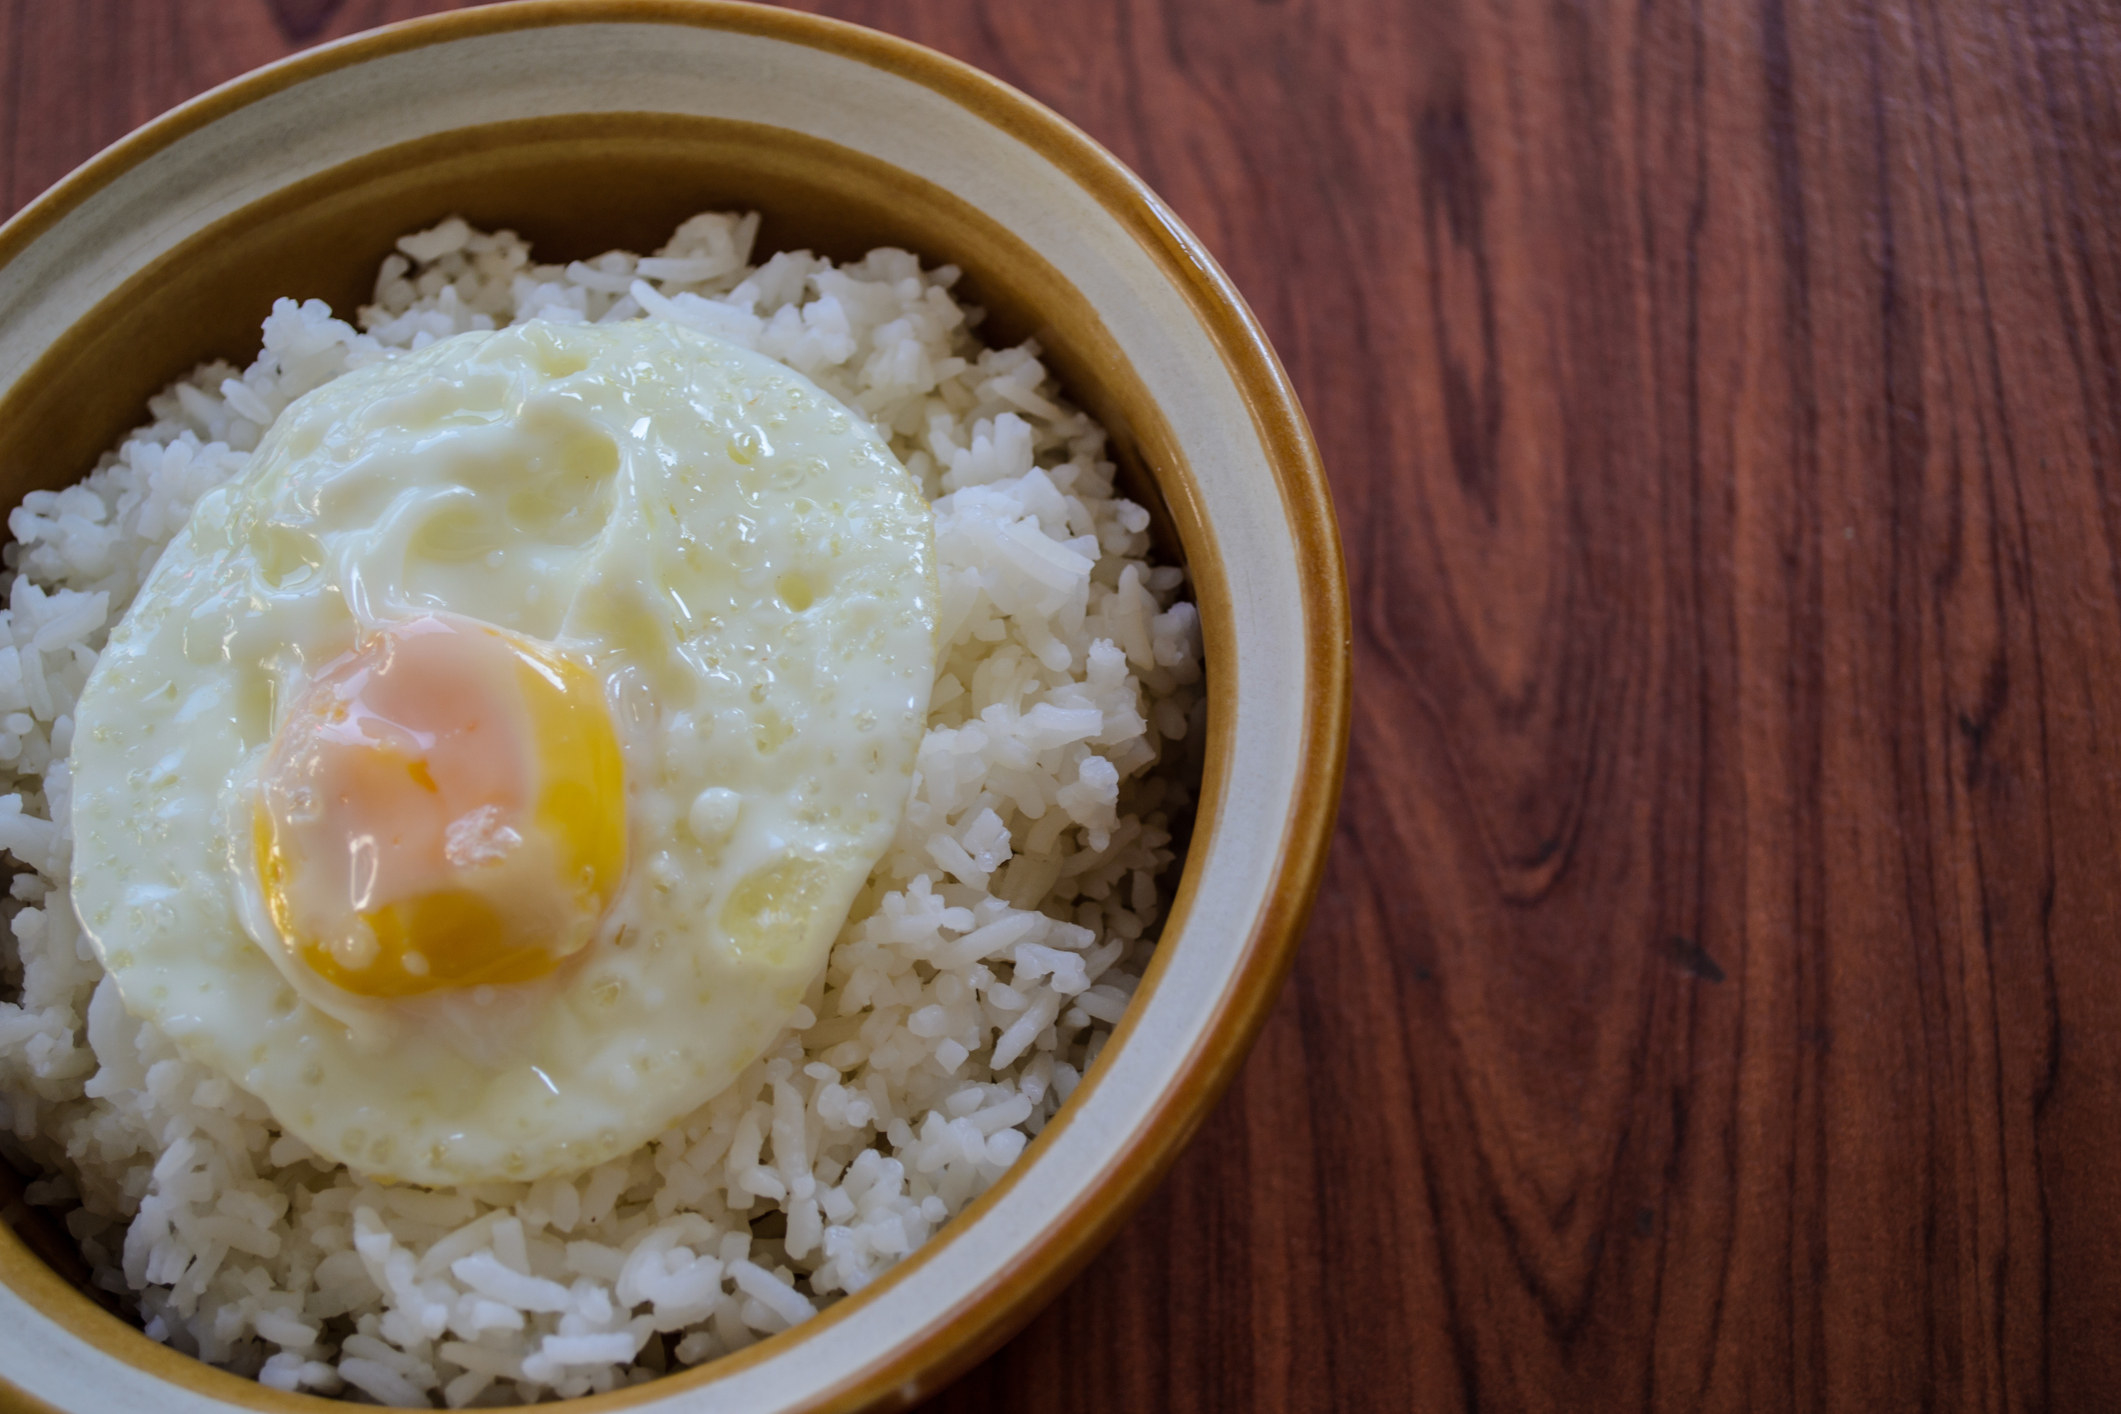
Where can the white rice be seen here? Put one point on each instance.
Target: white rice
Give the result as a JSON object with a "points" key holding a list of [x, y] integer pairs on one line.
{"points": [[982, 970]]}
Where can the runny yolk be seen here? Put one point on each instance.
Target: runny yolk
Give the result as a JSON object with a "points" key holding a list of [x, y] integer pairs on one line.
{"points": [[444, 807]]}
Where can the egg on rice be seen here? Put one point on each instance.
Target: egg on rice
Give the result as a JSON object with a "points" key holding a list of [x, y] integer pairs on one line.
{"points": [[382, 788], [607, 801]]}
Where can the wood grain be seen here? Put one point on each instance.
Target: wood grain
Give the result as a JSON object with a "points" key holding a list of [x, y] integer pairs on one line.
{"points": [[1715, 1001]]}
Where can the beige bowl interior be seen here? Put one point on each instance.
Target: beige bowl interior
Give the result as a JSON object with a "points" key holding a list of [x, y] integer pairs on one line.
{"points": [[592, 127], [575, 187]]}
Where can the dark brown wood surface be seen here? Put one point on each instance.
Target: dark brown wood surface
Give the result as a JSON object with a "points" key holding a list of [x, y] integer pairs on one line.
{"points": [[1715, 998]]}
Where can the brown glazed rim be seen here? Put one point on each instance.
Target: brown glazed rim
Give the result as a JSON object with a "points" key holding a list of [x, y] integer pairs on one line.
{"points": [[990, 1315]]}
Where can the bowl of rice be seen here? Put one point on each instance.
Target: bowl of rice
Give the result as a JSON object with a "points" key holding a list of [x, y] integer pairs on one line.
{"points": [[1119, 808]]}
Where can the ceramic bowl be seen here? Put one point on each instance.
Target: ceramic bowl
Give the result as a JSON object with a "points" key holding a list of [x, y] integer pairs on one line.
{"points": [[587, 126]]}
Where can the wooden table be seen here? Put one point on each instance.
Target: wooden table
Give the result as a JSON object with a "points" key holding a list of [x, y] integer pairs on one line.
{"points": [[1715, 1001]]}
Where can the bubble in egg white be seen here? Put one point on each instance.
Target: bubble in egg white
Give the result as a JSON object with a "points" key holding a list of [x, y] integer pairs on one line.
{"points": [[714, 814]]}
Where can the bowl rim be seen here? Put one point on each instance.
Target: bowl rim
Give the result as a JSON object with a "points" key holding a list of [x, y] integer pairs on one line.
{"points": [[1034, 1273]]}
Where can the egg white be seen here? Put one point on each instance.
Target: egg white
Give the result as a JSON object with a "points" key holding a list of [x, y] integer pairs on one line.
{"points": [[750, 575]]}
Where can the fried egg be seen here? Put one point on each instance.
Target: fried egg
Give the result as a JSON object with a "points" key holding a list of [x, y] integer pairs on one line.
{"points": [[483, 774]]}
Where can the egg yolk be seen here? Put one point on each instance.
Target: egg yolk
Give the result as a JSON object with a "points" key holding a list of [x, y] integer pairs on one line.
{"points": [[444, 807]]}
